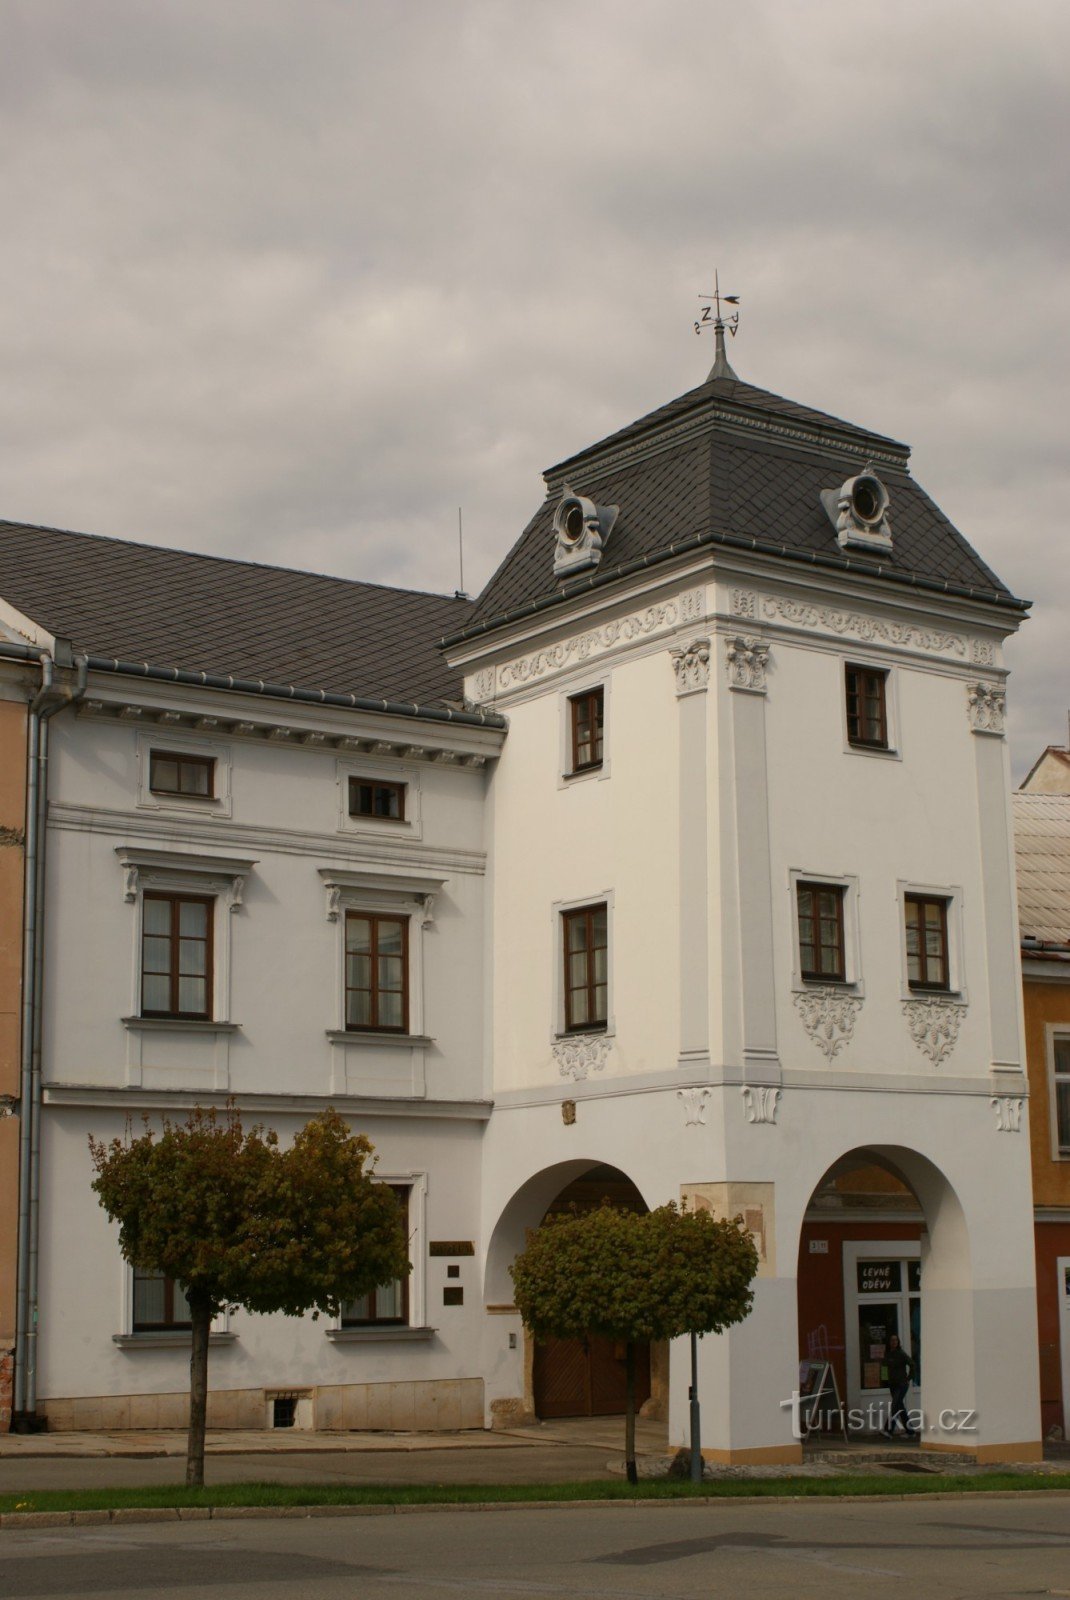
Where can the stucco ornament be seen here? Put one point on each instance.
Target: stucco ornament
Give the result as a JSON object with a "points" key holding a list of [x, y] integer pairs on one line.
{"points": [[694, 1106], [829, 1017], [1008, 1109], [691, 664], [986, 705], [934, 1025], [586, 1052], [760, 1101], [580, 532], [747, 661]]}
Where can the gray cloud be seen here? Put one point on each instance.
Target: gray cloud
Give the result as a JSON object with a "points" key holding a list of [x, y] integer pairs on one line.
{"points": [[293, 279]]}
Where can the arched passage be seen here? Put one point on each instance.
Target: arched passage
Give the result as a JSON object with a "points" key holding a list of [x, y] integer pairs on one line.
{"points": [[568, 1377], [884, 1249]]}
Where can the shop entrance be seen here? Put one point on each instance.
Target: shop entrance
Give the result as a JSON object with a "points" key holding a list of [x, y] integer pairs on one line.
{"points": [[859, 1282], [586, 1377]]}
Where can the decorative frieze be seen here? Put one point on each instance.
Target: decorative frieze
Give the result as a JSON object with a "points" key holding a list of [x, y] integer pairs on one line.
{"points": [[586, 1052], [694, 1106], [831, 619], [747, 661], [692, 667], [760, 1102], [829, 1017], [934, 1025], [986, 707], [981, 653], [1008, 1109], [744, 603], [592, 643]]}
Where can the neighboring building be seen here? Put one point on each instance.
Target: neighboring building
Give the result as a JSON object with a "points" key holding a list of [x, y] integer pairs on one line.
{"points": [[728, 916], [12, 863], [1042, 841]]}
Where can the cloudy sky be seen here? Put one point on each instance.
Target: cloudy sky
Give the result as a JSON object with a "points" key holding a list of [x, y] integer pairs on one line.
{"points": [[294, 279]]}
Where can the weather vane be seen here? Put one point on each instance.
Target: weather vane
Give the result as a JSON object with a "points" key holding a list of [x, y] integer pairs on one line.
{"points": [[708, 320]]}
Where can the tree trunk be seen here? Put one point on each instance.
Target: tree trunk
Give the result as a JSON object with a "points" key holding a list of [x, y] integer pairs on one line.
{"points": [[629, 1413], [200, 1312]]}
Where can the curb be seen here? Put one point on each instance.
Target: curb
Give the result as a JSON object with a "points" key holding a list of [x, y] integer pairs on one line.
{"points": [[127, 1515]]}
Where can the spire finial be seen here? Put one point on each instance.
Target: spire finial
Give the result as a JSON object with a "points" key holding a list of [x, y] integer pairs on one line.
{"points": [[721, 367]]}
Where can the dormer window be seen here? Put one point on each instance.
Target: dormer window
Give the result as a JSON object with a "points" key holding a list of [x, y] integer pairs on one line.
{"points": [[581, 529], [858, 510]]}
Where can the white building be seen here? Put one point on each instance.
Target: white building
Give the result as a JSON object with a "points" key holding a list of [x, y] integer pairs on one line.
{"points": [[727, 914]]}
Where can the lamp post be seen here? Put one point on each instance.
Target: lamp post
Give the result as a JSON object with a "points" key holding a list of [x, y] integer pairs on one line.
{"points": [[696, 1421]]}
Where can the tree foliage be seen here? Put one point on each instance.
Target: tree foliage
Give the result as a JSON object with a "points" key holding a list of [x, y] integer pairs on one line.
{"points": [[239, 1221], [629, 1276], [634, 1277]]}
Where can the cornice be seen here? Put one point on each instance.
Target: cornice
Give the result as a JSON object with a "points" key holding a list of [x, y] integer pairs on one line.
{"points": [[99, 1097], [154, 832]]}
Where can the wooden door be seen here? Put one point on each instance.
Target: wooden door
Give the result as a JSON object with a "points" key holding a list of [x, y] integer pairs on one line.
{"points": [[587, 1377]]}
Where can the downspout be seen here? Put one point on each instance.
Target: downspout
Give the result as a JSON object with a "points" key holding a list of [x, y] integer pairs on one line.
{"points": [[49, 699]]}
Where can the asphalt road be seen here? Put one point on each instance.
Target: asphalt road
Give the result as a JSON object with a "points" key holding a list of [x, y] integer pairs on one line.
{"points": [[954, 1549]]}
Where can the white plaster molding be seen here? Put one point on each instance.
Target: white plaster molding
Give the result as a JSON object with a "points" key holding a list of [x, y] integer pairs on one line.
{"points": [[356, 889], [692, 605], [1008, 1109], [691, 663], [596, 641], [744, 603], [760, 1102], [986, 707], [587, 1052], [981, 653], [485, 685], [828, 618], [694, 1106], [173, 869], [829, 1017], [934, 1025], [747, 661]]}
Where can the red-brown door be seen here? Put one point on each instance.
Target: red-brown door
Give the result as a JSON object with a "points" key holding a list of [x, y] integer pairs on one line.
{"points": [[587, 1377]]}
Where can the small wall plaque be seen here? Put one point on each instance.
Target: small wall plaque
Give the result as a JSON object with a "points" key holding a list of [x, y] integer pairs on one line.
{"points": [[453, 1297], [451, 1247]]}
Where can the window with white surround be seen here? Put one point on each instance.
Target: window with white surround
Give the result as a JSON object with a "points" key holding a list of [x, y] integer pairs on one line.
{"points": [[397, 1310], [583, 966], [930, 941], [1059, 1067], [183, 774], [583, 723], [155, 1313], [379, 799], [825, 934], [870, 709], [381, 919], [183, 906]]}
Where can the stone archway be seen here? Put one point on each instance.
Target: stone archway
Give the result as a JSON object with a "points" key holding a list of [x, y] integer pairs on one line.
{"points": [[884, 1249], [565, 1378]]}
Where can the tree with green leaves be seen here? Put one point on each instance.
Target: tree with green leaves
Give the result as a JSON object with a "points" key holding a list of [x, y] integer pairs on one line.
{"points": [[634, 1277], [238, 1221]]}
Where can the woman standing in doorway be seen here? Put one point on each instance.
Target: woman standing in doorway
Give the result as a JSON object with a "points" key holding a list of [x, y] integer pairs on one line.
{"points": [[899, 1365]]}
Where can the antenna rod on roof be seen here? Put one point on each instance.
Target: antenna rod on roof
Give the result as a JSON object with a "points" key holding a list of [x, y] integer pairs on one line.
{"points": [[460, 594]]}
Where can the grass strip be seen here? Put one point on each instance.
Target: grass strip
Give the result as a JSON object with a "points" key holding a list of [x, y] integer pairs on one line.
{"points": [[152, 1496]]}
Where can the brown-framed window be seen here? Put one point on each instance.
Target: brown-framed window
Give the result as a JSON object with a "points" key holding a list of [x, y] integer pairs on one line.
{"points": [[1061, 1079], [389, 1303], [191, 777], [371, 797], [586, 955], [159, 1303], [587, 726], [176, 955], [821, 942], [867, 707], [377, 972], [926, 934]]}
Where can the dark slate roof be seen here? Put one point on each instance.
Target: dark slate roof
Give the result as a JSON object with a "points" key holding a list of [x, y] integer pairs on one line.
{"points": [[733, 462], [203, 613]]}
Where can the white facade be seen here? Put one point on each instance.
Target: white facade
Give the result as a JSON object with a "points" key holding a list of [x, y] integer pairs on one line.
{"points": [[721, 1072]]}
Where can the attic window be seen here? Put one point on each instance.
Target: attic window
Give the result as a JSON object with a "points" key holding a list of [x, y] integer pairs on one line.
{"points": [[192, 777]]}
